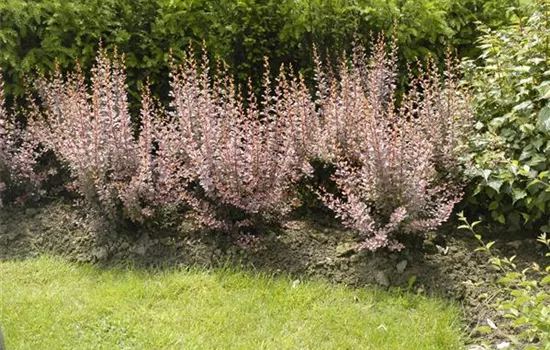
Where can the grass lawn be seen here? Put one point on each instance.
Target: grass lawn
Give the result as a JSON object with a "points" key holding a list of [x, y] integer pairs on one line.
{"points": [[51, 304]]}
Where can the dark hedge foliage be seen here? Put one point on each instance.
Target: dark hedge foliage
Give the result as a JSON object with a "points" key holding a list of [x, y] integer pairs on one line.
{"points": [[35, 33]]}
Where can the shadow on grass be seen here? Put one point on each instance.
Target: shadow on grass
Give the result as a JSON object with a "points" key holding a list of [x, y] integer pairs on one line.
{"points": [[315, 247]]}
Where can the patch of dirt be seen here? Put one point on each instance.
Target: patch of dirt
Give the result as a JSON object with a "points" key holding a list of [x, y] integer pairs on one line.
{"points": [[444, 264]]}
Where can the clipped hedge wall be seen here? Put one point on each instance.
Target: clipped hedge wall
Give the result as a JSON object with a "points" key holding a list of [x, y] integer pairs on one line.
{"points": [[35, 33]]}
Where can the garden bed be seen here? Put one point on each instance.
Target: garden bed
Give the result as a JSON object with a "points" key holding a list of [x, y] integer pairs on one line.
{"points": [[444, 265]]}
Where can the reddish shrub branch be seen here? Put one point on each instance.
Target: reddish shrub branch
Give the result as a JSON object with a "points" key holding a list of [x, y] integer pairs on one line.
{"points": [[396, 166], [18, 155]]}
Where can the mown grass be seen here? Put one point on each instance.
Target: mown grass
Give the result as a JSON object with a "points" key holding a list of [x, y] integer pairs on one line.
{"points": [[48, 303]]}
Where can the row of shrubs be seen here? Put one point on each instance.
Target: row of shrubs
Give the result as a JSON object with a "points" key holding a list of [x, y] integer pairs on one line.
{"points": [[37, 33], [353, 122], [233, 159]]}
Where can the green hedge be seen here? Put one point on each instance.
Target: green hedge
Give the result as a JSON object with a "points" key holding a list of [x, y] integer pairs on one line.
{"points": [[34, 33], [510, 157]]}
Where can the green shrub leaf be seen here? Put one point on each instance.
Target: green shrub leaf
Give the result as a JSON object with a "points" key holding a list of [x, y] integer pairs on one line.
{"points": [[544, 119]]}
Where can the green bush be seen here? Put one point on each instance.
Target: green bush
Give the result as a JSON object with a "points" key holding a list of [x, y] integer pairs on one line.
{"points": [[34, 33], [511, 89], [465, 16]]}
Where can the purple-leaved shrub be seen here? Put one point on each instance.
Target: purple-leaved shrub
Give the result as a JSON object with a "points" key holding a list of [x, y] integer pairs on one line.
{"points": [[396, 166], [227, 156], [90, 130], [18, 155], [242, 156], [235, 158]]}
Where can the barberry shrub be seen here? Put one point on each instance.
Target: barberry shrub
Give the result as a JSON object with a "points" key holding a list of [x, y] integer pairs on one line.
{"points": [[18, 156], [89, 129], [231, 158], [397, 167], [234, 158]]}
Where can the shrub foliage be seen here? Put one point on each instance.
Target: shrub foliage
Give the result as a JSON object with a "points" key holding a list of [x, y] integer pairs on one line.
{"points": [[245, 155], [91, 133], [396, 166], [228, 156], [511, 86], [18, 155], [234, 159], [35, 33]]}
